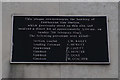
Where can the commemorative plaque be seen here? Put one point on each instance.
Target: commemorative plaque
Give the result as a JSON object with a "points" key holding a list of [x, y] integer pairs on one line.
{"points": [[60, 39]]}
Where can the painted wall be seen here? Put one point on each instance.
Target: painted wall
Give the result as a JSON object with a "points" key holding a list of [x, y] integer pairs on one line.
{"points": [[59, 71]]}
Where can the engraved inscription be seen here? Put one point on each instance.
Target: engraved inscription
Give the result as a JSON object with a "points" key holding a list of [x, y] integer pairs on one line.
{"points": [[60, 39]]}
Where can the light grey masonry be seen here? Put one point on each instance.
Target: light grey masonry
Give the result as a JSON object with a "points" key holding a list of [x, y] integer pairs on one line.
{"points": [[59, 71]]}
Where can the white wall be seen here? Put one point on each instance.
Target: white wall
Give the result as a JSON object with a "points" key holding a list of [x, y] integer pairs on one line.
{"points": [[60, 71]]}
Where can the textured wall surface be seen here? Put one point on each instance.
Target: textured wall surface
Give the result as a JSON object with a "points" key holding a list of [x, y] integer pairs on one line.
{"points": [[60, 0], [59, 71], [0, 39]]}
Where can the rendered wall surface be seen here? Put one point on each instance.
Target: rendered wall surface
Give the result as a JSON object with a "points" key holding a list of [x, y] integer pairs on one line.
{"points": [[59, 71]]}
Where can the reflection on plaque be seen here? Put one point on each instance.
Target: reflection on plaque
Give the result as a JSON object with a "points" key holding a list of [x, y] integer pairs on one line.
{"points": [[60, 39]]}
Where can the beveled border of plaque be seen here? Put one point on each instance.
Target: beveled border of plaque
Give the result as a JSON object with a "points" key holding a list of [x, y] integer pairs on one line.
{"points": [[85, 63]]}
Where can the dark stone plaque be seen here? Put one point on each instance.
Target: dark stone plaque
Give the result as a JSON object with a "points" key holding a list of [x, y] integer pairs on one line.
{"points": [[60, 39]]}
